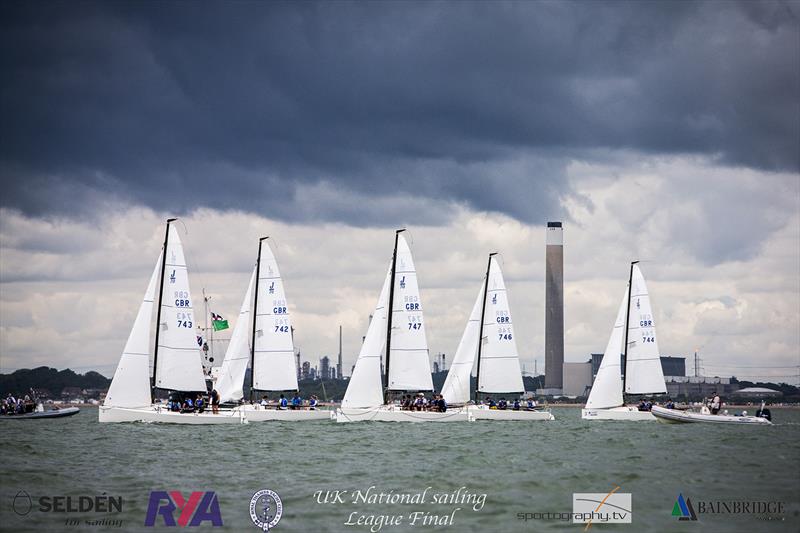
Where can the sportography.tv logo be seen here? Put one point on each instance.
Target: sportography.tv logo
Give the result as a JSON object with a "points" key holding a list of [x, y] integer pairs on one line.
{"points": [[200, 508], [596, 507]]}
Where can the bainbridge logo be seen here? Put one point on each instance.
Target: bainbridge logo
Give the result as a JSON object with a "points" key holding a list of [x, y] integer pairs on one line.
{"points": [[193, 511], [683, 509]]}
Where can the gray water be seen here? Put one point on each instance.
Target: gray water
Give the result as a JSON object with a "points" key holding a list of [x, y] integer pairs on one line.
{"points": [[520, 467]]}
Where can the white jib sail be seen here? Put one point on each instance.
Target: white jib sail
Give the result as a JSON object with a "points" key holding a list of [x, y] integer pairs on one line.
{"points": [[180, 366], [456, 386], [643, 373], [231, 374], [131, 384], [273, 361], [365, 388], [607, 387], [409, 363], [500, 370]]}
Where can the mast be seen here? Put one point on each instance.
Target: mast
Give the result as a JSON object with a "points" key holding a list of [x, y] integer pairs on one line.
{"points": [[480, 330], [255, 317], [390, 311], [627, 321], [158, 313]]}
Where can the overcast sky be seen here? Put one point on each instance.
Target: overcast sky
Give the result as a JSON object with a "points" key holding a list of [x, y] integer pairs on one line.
{"points": [[666, 132]]}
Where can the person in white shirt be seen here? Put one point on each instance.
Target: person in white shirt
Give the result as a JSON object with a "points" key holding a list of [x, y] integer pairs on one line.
{"points": [[715, 404]]}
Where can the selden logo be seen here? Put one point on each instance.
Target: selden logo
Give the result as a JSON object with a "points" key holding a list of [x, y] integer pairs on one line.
{"points": [[611, 508], [199, 507], [683, 509]]}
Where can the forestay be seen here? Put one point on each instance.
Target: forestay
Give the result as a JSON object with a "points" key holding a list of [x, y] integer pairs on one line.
{"points": [[231, 375], [365, 387], [409, 363], [131, 384], [499, 365], [273, 359], [607, 388], [643, 373], [179, 365], [456, 386]]}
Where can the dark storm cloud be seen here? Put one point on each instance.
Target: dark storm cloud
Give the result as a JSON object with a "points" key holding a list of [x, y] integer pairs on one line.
{"points": [[243, 105]]}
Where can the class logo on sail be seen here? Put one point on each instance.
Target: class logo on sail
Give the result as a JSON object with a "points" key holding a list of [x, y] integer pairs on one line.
{"points": [[272, 288], [403, 282], [683, 509], [494, 299], [172, 277]]}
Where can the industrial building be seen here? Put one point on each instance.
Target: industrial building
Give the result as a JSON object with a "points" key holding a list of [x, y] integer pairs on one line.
{"points": [[578, 378]]}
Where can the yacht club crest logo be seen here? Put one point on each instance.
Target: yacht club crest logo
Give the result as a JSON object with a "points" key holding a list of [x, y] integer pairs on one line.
{"points": [[266, 509]]}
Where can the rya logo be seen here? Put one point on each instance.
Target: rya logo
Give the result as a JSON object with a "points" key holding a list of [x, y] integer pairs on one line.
{"points": [[198, 508]]}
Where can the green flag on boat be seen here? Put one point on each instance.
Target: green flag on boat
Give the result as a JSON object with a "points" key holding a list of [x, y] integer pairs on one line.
{"points": [[218, 323]]}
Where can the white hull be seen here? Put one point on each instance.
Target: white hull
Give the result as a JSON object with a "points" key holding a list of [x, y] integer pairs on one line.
{"points": [[391, 414], [256, 413], [482, 412], [161, 415], [625, 412], [673, 416]]}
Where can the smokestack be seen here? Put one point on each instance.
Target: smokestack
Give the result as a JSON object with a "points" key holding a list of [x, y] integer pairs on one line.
{"points": [[339, 362], [554, 307]]}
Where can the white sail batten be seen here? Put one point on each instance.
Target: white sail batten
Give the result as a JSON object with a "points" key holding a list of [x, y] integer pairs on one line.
{"points": [[364, 389], [456, 386], [273, 359], [607, 387], [500, 370], [130, 386], [179, 365], [234, 365], [643, 373], [409, 362]]}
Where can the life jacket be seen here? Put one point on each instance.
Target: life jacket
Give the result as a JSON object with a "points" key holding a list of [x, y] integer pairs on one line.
{"points": [[284, 402]]}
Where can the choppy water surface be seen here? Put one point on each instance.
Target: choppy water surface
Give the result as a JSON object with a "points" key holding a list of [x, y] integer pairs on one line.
{"points": [[521, 467]]}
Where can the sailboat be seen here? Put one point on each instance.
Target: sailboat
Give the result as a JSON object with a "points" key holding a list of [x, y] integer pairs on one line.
{"points": [[271, 348], [632, 343], [489, 338], [177, 365], [397, 324]]}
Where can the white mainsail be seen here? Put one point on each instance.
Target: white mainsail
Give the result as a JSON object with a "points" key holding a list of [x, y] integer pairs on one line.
{"points": [[409, 363], [179, 365], [131, 384], [273, 360], [607, 387], [456, 386], [365, 387], [643, 373], [231, 375], [499, 364]]}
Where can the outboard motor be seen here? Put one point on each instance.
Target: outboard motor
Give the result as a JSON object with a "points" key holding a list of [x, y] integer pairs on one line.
{"points": [[764, 413]]}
